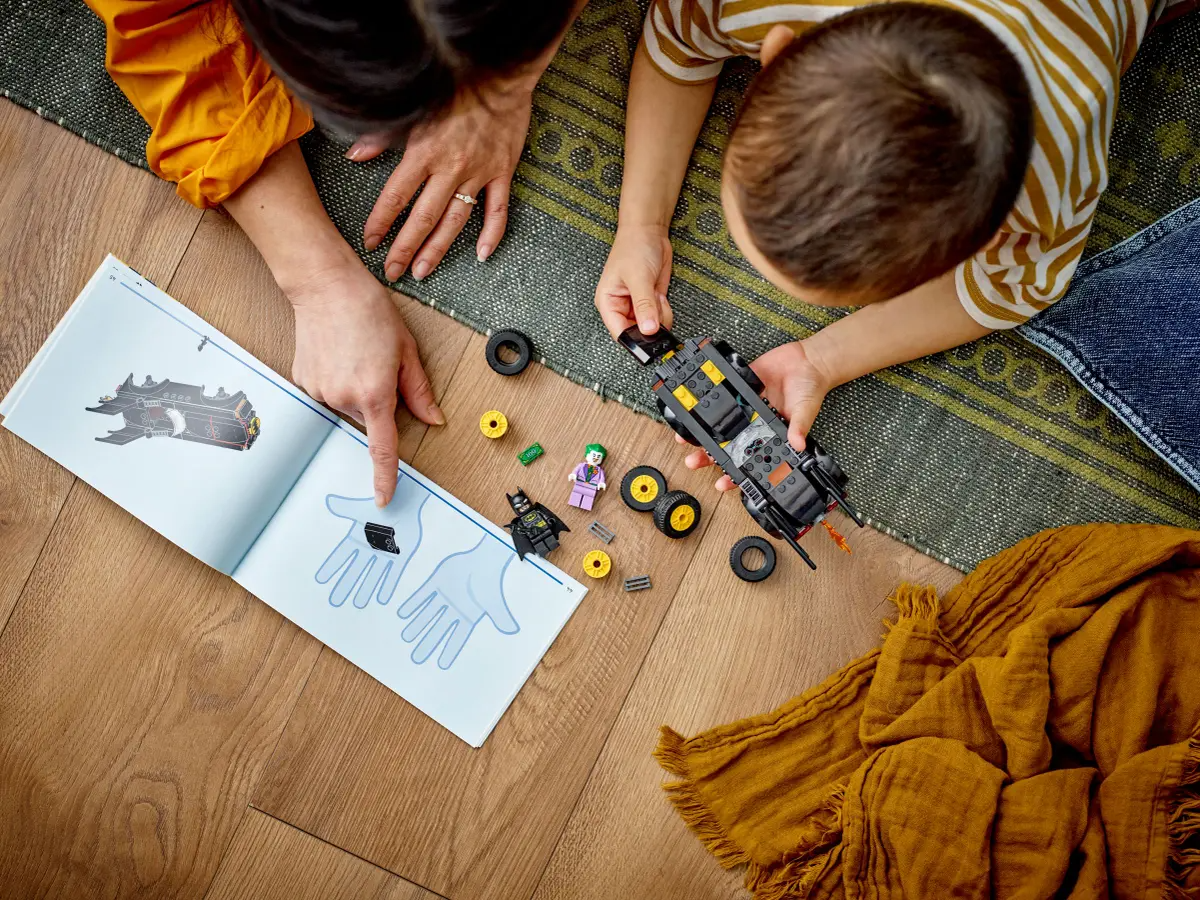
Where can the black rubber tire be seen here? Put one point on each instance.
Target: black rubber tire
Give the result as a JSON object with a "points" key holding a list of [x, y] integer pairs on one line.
{"points": [[750, 542], [667, 505], [510, 338], [627, 488]]}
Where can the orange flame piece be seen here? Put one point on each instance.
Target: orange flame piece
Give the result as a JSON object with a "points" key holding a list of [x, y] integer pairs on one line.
{"points": [[837, 538]]}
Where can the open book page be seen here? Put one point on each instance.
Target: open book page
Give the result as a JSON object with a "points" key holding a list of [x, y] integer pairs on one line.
{"points": [[164, 415], [425, 595]]}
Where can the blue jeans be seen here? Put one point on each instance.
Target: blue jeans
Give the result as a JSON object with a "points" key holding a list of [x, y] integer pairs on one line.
{"points": [[1129, 330]]}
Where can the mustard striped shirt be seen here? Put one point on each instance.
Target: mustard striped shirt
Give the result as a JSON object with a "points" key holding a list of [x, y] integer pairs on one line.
{"points": [[1073, 53]]}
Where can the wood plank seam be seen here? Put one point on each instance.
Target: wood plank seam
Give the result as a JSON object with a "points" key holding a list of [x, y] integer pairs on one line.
{"points": [[38, 559], [274, 747], [233, 834], [327, 843], [637, 675], [444, 388], [74, 480], [439, 395], [170, 279]]}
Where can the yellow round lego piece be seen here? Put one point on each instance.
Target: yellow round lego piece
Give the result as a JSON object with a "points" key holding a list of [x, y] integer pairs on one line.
{"points": [[644, 488], [597, 564], [493, 424], [682, 518]]}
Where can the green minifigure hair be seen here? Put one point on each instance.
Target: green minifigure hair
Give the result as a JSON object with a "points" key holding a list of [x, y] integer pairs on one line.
{"points": [[599, 448]]}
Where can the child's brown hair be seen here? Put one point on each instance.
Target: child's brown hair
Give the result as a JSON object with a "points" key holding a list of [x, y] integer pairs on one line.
{"points": [[881, 148]]}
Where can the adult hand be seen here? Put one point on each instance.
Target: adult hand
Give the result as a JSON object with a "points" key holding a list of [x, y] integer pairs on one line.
{"points": [[633, 286], [796, 385], [353, 351], [472, 150]]}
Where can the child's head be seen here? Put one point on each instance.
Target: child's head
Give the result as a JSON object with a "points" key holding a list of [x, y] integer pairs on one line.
{"points": [[876, 151]]}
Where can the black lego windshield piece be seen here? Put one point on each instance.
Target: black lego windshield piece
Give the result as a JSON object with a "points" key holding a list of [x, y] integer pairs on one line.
{"points": [[711, 397]]}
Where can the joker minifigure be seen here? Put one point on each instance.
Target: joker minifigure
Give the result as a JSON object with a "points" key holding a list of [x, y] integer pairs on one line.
{"points": [[588, 477]]}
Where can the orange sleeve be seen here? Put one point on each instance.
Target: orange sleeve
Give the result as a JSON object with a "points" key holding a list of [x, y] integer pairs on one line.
{"points": [[216, 110]]}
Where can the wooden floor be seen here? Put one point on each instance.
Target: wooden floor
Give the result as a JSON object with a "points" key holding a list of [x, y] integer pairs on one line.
{"points": [[165, 734]]}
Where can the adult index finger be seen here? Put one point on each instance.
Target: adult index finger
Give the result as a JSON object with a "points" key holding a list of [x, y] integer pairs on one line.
{"points": [[382, 441]]}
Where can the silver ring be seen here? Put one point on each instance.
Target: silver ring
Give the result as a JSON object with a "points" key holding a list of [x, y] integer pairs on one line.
{"points": [[465, 198]]}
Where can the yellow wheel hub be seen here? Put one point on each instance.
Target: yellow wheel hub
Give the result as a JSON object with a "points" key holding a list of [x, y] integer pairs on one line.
{"points": [[597, 564], [644, 489], [682, 518], [493, 424]]}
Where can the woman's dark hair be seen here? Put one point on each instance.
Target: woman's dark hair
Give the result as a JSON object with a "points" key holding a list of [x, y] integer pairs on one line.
{"points": [[386, 67]]}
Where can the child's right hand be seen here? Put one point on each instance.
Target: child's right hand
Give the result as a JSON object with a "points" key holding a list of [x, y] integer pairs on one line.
{"points": [[633, 287], [795, 385]]}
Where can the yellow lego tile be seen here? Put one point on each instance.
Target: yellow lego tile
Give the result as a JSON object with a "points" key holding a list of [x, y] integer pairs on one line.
{"points": [[684, 396]]}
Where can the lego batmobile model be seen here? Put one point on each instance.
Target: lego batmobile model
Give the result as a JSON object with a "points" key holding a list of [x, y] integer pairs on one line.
{"points": [[170, 409], [711, 398]]}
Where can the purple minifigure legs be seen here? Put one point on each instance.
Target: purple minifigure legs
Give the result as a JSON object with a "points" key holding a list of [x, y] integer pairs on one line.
{"points": [[588, 477], [582, 495]]}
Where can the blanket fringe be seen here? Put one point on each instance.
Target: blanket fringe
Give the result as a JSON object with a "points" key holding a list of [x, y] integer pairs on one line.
{"points": [[914, 603], [792, 877], [669, 752], [795, 876], [1183, 827], [917, 602], [687, 802]]}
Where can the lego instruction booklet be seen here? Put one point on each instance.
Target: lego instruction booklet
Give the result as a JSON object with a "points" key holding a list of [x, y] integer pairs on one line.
{"points": [[168, 418]]}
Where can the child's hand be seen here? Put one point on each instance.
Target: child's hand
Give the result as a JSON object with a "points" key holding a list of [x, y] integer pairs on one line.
{"points": [[633, 287], [795, 385]]}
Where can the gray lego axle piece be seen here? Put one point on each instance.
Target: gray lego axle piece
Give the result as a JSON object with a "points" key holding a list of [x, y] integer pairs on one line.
{"points": [[605, 534], [637, 583]]}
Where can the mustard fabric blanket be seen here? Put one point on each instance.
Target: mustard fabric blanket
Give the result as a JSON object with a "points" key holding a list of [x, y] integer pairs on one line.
{"points": [[1036, 733]]}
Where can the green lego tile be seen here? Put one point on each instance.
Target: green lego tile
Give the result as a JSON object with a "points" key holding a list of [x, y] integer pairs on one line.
{"points": [[529, 454]]}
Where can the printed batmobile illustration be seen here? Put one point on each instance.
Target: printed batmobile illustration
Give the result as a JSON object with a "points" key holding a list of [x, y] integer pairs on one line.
{"points": [[710, 396], [170, 409]]}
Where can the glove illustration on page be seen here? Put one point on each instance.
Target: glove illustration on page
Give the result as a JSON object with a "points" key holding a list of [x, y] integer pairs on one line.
{"points": [[377, 546], [463, 589]]}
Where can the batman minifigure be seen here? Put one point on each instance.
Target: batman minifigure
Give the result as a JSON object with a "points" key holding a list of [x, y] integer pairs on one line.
{"points": [[534, 528]]}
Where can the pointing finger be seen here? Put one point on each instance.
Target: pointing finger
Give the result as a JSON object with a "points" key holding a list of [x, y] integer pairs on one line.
{"points": [[382, 440]]}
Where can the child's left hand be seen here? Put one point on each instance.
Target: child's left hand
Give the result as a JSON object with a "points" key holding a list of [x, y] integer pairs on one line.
{"points": [[795, 385], [633, 286]]}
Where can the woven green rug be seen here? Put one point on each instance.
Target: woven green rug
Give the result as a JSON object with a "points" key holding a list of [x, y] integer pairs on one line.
{"points": [[960, 455]]}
